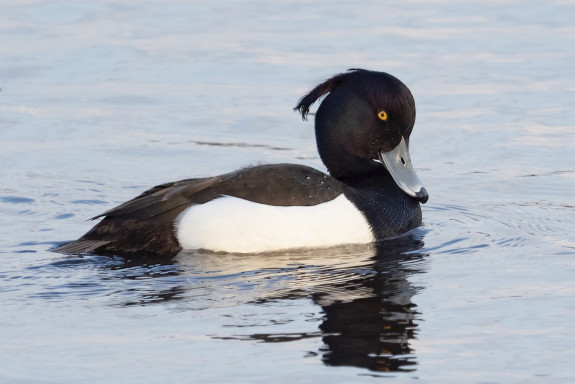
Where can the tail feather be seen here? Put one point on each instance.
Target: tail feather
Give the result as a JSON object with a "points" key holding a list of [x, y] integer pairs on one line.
{"points": [[80, 246]]}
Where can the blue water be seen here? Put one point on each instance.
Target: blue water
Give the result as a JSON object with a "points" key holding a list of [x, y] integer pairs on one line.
{"points": [[101, 100]]}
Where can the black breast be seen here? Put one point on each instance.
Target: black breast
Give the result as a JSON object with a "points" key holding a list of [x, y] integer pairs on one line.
{"points": [[389, 211]]}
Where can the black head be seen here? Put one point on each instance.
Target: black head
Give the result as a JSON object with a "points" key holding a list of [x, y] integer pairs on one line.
{"points": [[364, 116]]}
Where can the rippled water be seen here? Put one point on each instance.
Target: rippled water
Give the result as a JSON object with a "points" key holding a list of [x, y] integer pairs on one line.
{"points": [[101, 100]]}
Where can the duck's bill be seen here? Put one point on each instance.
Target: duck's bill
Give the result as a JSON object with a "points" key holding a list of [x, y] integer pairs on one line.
{"points": [[398, 163]]}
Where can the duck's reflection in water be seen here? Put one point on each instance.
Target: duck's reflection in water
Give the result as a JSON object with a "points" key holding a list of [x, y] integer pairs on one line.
{"points": [[364, 292], [374, 329]]}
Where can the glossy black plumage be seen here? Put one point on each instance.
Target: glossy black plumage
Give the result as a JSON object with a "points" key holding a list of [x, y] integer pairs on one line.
{"points": [[349, 137]]}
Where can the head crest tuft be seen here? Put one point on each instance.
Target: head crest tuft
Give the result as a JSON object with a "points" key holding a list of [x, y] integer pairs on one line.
{"points": [[323, 89]]}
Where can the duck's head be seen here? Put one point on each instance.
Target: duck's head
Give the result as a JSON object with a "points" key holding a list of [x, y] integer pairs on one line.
{"points": [[363, 125]]}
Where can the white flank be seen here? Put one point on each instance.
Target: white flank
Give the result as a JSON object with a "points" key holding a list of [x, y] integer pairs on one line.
{"points": [[230, 224]]}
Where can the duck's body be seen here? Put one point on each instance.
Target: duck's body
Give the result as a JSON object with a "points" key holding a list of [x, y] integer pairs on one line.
{"points": [[372, 193]]}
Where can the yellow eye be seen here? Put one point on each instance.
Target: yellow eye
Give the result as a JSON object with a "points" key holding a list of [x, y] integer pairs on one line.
{"points": [[382, 115]]}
